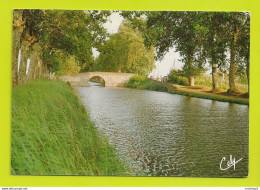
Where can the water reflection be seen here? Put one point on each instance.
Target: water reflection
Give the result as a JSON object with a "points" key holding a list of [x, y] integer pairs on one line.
{"points": [[94, 84], [161, 134]]}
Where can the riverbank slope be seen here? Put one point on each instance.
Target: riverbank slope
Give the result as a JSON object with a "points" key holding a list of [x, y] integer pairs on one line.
{"points": [[206, 93], [53, 135], [140, 82], [202, 92]]}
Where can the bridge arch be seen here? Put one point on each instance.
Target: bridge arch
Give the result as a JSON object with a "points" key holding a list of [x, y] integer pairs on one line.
{"points": [[97, 79]]}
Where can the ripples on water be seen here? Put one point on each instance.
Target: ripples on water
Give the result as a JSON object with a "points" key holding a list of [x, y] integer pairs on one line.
{"points": [[162, 134]]}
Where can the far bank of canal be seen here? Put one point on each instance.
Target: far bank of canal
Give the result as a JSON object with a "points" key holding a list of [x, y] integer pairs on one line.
{"points": [[162, 134], [204, 92]]}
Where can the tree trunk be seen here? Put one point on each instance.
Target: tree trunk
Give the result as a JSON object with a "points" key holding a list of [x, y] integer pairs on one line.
{"points": [[247, 74], [46, 71], [214, 77], [23, 62], [214, 71], [38, 69], [30, 71], [232, 68], [35, 70], [35, 57], [27, 40], [15, 53], [232, 85], [191, 74], [18, 26], [191, 80]]}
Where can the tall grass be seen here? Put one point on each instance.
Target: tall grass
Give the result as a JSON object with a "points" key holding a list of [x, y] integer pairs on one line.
{"points": [[154, 87], [204, 80], [52, 134]]}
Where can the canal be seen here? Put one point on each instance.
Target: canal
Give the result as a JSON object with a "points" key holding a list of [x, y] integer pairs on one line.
{"points": [[162, 134]]}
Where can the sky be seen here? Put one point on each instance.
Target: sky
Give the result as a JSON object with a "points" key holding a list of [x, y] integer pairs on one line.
{"points": [[163, 67]]}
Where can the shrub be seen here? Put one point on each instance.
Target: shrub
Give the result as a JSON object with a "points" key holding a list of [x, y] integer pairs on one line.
{"points": [[137, 81], [141, 82], [155, 87], [175, 77]]}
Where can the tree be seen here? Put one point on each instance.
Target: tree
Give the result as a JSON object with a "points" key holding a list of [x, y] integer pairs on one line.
{"points": [[176, 29], [26, 31], [235, 24], [199, 37], [244, 49], [18, 27], [126, 52], [208, 27], [42, 34], [75, 33]]}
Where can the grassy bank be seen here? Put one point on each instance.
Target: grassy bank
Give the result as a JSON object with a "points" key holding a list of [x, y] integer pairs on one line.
{"points": [[52, 134], [204, 80], [175, 77], [211, 97], [141, 82]]}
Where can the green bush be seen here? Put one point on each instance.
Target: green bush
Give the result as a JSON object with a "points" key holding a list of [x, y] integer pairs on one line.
{"points": [[154, 87], [137, 81], [141, 82], [175, 78]]}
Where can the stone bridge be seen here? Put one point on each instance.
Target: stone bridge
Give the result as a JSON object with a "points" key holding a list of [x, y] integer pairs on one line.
{"points": [[112, 79]]}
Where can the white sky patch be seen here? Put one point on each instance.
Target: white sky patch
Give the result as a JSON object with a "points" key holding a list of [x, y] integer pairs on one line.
{"points": [[95, 52], [169, 62], [112, 26], [113, 23]]}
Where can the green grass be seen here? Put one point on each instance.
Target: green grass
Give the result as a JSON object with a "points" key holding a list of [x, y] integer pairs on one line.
{"points": [[204, 80], [154, 87], [204, 96], [141, 82], [175, 77], [52, 134]]}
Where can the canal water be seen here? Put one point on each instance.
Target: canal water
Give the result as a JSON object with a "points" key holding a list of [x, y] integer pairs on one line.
{"points": [[162, 134]]}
